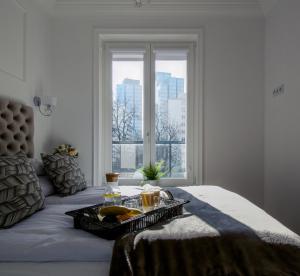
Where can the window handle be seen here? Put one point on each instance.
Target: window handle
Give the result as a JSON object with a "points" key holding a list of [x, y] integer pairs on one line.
{"points": [[148, 136]]}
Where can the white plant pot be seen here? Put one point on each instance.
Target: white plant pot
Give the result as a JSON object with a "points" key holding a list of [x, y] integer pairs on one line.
{"points": [[152, 182]]}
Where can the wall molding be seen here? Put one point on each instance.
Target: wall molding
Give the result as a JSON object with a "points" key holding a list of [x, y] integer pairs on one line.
{"points": [[22, 76], [208, 7]]}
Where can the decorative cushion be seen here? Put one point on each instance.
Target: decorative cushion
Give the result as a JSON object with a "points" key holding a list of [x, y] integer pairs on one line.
{"points": [[64, 173], [20, 192]]}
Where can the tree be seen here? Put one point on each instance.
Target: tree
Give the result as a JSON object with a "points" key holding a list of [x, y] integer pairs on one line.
{"points": [[167, 134], [124, 129], [122, 121]]}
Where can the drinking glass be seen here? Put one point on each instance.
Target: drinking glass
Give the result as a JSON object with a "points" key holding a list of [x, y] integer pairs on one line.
{"points": [[149, 200]]}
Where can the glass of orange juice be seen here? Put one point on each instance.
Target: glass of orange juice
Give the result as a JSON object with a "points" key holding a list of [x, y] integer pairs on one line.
{"points": [[149, 200]]}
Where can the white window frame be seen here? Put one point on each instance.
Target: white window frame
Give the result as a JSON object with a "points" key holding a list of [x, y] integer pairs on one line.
{"points": [[109, 48], [175, 45], [102, 116]]}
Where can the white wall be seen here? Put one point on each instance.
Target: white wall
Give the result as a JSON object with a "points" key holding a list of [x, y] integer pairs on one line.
{"points": [[282, 168], [233, 100], [36, 60], [233, 105]]}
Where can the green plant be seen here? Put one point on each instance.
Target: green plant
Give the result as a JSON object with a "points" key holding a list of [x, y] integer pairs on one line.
{"points": [[153, 171]]}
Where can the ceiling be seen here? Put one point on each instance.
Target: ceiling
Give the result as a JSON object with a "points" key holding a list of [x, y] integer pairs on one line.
{"points": [[206, 6]]}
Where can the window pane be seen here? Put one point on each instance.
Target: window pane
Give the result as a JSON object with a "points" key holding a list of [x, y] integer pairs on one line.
{"points": [[171, 111], [127, 119]]}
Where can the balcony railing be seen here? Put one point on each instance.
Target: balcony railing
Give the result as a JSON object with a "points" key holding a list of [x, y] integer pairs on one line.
{"points": [[174, 160]]}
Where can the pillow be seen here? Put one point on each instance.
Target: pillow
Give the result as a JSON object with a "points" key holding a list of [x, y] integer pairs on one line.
{"points": [[38, 166], [46, 185], [64, 173], [20, 192]]}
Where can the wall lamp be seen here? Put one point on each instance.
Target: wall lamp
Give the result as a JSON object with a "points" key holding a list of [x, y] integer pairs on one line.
{"points": [[140, 3], [46, 104]]}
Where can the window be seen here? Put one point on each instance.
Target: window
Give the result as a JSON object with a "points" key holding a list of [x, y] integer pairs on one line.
{"points": [[148, 109], [171, 110], [127, 112]]}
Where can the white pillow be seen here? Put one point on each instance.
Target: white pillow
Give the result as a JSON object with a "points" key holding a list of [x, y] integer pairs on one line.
{"points": [[38, 166], [46, 185]]}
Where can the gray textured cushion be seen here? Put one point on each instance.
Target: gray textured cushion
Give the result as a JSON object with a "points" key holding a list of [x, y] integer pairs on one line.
{"points": [[64, 173], [20, 192]]}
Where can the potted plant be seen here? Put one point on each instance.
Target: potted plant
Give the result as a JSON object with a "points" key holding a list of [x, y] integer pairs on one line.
{"points": [[153, 172]]}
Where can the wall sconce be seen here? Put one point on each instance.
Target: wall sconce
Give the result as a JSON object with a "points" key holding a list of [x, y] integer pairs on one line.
{"points": [[138, 3], [46, 104]]}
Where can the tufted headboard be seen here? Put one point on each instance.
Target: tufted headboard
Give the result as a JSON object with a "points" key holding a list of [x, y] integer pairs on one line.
{"points": [[16, 127]]}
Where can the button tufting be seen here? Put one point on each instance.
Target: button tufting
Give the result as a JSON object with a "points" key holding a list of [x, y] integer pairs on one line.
{"points": [[17, 137], [17, 118], [16, 123]]}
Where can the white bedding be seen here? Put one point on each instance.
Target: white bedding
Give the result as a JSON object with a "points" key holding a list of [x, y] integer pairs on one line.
{"points": [[55, 269], [47, 244], [49, 236], [47, 240], [89, 196]]}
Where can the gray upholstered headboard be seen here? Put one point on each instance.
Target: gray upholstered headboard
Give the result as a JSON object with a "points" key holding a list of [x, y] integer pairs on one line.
{"points": [[16, 127]]}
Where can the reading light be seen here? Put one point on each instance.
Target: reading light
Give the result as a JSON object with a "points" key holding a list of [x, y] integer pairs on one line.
{"points": [[46, 104]]}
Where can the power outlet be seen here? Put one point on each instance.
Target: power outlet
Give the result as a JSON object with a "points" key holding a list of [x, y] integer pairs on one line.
{"points": [[279, 90]]}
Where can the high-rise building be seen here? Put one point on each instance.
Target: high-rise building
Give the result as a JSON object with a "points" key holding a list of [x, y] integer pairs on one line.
{"points": [[171, 101], [168, 87], [130, 94], [177, 115]]}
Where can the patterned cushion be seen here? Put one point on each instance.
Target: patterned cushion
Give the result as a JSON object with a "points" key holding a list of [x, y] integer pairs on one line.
{"points": [[20, 192], [64, 173]]}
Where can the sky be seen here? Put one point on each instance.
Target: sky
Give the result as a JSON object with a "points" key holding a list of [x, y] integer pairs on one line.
{"points": [[134, 70]]}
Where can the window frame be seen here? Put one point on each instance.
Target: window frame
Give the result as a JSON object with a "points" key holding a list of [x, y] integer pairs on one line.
{"points": [[189, 47], [109, 48], [158, 37]]}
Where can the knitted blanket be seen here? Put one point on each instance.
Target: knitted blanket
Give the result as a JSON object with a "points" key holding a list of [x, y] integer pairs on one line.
{"points": [[220, 233]]}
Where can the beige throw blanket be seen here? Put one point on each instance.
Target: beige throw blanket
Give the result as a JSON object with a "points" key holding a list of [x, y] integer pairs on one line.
{"points": [[220, 233]]}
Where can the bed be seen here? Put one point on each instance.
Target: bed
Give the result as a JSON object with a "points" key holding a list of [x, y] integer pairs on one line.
{"points": [[47, 244]]}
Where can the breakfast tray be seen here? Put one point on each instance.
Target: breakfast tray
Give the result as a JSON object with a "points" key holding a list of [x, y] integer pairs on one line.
{"points": [[87, 218]]}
